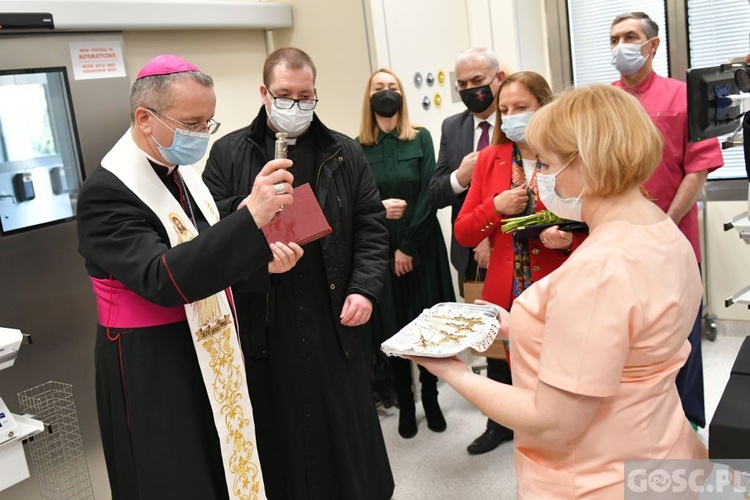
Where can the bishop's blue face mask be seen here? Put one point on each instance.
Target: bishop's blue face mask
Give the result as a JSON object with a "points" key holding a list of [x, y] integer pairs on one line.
{"points": [[187, 147]]}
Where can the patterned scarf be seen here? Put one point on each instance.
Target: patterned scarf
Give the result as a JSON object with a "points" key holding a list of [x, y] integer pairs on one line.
{"points": [[521, 257]]}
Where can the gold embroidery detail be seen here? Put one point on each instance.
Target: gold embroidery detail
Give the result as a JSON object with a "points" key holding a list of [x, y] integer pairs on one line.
{"points": [[210, 331], [214, 217], [215, 336], [228, 379]]}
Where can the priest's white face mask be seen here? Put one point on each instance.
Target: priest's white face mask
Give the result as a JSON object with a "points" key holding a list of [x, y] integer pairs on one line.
{"points": [[293, 121], [291, 116]]}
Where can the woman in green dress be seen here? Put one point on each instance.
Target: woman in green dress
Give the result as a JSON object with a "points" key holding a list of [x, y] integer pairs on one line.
{"points": [[402, 158]]}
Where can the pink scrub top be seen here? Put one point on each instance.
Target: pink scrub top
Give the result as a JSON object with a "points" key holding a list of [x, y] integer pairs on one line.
{"points": [[612, 322], [665, 100]]}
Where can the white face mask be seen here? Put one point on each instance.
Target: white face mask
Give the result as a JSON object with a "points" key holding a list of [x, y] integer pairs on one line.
{"points": [[566, 208], [627, 58], [292, 121]]}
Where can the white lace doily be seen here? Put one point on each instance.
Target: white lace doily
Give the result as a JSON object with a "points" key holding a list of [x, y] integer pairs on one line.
{"points": [[445, 330]]}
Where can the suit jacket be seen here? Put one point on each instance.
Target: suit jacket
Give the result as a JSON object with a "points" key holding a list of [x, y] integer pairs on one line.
{"points": [[456, 141]]}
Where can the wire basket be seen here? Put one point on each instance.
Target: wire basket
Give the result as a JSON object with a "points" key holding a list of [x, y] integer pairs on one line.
{"points": [[57, 457]]}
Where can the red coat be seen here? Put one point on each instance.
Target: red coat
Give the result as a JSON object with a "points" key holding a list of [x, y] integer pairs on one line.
{"points": [[478, 219]]}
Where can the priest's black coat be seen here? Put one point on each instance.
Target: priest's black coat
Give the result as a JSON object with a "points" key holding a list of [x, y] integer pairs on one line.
{"points": [[319, 436]]}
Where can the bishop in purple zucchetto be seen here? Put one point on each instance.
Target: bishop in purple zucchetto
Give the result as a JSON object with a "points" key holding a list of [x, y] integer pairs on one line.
{"points": [[165, 64]]}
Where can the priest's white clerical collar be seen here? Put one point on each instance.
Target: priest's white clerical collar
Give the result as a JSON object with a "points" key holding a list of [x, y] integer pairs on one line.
{"points": [[161, 164]]}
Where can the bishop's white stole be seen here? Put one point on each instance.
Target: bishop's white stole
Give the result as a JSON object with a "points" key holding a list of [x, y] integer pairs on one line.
{"points": [[214, 335]]}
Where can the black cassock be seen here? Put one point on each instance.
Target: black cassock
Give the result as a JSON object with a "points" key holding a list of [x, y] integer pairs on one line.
{"points": [[318, 432], [156, 422]]}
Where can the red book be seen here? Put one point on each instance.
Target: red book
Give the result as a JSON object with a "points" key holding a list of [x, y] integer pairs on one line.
{"points": [[301, 222]]}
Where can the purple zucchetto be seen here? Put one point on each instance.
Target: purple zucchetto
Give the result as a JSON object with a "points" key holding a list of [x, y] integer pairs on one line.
{"points": [[165, 64]]}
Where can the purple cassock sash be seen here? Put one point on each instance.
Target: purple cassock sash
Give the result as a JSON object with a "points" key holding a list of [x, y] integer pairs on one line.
{"points": [[120, 307]]}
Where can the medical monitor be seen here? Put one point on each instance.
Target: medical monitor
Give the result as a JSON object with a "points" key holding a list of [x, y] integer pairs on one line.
{"points": [[711, 111]]}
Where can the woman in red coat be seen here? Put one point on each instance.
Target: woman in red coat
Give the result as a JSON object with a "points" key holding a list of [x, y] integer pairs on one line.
{"points": [[503, 186]]}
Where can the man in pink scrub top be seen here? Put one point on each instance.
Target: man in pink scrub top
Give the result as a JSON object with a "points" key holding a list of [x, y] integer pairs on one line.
{"points": [[679, 178]]}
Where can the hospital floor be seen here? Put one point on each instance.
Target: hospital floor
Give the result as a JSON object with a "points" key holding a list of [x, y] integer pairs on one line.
{"points": [[436, 466]]}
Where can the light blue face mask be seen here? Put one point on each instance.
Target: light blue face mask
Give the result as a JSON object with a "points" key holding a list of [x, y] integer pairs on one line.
{"points": [[187, 147], [514, 126]]}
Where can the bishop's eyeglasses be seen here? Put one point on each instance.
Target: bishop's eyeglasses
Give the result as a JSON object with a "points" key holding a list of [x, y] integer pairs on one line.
{"points": [[210, 127]]}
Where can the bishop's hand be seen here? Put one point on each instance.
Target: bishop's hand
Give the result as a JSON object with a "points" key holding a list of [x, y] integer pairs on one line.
{"points": [[272, 189]]}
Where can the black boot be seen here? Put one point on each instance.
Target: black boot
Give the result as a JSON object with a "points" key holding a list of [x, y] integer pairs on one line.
{"points": [[435, 419], [382, 380], [407, 420]]}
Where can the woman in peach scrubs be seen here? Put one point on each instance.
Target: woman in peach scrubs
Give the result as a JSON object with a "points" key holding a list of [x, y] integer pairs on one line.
{"points": [[597, 344]]}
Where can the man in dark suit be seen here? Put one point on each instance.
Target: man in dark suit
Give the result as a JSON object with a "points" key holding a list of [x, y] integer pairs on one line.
{"points": [[478, 79]]}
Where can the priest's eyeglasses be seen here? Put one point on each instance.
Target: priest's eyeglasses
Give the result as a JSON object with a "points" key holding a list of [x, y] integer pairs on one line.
{"points": [[210, 127], [305, 104]]}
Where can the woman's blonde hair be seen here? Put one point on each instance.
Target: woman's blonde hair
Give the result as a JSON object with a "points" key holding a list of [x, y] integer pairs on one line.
{"points": [[368, 127], [535, 84], [607, 128]]}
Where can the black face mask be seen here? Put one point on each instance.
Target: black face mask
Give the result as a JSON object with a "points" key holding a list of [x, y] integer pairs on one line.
{"points": [[386, 102], [477, 99]]}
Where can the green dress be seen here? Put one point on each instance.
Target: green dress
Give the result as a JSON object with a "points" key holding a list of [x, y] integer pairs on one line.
{"points": [[403, 170]]}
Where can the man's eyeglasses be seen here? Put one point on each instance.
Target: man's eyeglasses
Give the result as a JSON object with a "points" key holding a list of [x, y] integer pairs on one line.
{"points": [[210, 127], [306, 104]]}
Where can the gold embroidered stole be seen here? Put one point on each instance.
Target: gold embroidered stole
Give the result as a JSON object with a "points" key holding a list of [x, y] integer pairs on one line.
{"points": [[214, 335]]}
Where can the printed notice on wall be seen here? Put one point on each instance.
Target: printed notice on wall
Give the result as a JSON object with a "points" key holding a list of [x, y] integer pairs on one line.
{"points": [[97, 60]]}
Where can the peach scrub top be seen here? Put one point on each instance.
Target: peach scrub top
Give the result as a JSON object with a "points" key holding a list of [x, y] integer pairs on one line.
{"points": [[612, 322]]}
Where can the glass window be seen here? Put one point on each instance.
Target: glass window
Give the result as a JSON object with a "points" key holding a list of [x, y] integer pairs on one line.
{"points": [[718, 32], [40, 161]]}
